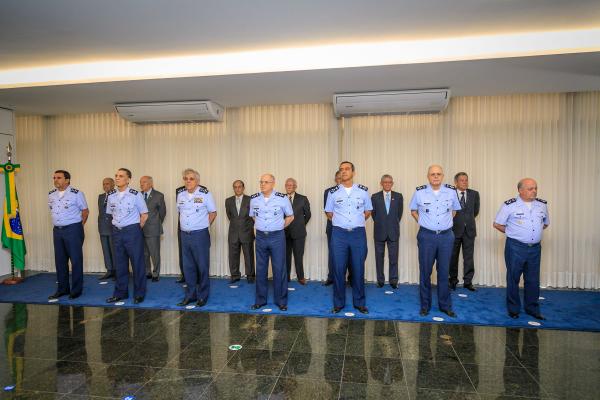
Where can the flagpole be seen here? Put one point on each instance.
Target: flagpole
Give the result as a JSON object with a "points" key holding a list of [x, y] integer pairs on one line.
{"points": [[13, 280]]}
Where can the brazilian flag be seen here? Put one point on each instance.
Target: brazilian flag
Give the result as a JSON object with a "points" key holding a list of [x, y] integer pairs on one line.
{"points": [[12, 231]]}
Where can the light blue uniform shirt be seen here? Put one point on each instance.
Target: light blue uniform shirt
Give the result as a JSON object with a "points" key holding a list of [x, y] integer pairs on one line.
{"points": [[435, 211], [194, 209], [522, 223], [270, 215], [66, 210], [348, 209], [125, 209]]}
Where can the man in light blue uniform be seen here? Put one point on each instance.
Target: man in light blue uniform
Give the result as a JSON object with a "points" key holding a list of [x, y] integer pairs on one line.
{"points": [[272, 212], [348, 207], [129, 213], [523, 220], [69, 212], [197, 211], [433, 206]]}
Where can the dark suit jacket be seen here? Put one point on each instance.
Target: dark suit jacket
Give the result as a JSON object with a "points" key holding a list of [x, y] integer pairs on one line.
{"points": [[464, 220], [301, 207], [387, 225], [157, 210], [329, 224], [241, 227], [104, 219]]}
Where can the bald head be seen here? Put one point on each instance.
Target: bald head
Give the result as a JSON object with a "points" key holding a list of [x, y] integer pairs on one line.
{"points": [[267, 182], [146, 183], [527, 189], [435, 176]]}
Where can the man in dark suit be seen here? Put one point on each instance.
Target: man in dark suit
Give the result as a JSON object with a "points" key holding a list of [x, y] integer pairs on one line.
{"points": [[157, 210], [105, 229], [387, 213], [295, 233], [464, 231], [241, 233]]}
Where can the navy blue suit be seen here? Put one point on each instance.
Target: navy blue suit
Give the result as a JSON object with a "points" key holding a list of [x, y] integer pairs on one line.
{"points": [[387, 231]]}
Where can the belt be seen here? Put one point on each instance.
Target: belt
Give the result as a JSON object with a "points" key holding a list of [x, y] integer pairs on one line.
{"points": [[194, 231], [436, 232], [353, 229], [66, 226], [268, 232], [126, 227], [523, 244]]}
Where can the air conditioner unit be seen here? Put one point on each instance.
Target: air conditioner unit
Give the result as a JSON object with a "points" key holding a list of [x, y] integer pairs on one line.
{"points": [[393, 102], [174, 111]]}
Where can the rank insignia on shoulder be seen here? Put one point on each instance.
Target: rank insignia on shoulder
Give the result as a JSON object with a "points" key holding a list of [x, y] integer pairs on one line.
{"points": [[113, 191], [279, 194], [450, 186], [133, 191], [255, 195], [542, 201], [510, 201], [52, 191], [421, 187], [333, 189], [179, 189], [202, 189], [363, 187], [73, 190]]}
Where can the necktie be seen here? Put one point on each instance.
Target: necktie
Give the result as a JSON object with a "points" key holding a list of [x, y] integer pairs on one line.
{"points": [[290, 196], [238, 203], [462, 200], [105, 198], [146, 196], [387, 203]]}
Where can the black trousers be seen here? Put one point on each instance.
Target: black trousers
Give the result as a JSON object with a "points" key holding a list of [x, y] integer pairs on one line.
{"points": [[295, 247], [234, 258], [468, 246], [392, 257]]}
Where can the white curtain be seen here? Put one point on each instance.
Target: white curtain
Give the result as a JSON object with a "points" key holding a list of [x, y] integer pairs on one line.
{"points": [[554, 138]]}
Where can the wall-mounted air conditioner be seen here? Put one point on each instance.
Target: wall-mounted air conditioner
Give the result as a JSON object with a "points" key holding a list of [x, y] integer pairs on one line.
{"points": [[173, 111], [392, 102]]}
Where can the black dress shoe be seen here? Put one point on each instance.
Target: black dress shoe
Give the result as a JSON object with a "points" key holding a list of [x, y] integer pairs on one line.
{"points": [[185, 302], [452, 285], [200, 303], [138, 299], [107, 275], [449, 313], [73, 296], [394, 285], [283, 308], [328, 282], [513, 315], [362, 309], [57, 295], [181, 279], [423, 312], [250, 279], [537, 316], [155, 279], [379, 284], [469, 286], [336, 310], [148, 276], [257, 306], [234, 280], [113, 299], [302, 281]]}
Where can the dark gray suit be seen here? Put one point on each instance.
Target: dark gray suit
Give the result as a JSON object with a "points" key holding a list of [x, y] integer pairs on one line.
{"points": [[295, 235], [157, 210], [105, 231], [464, 235], [240, 235], [387, 230]]}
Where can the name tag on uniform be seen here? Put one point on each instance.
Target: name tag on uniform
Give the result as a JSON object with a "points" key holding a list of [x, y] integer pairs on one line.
{"points": [[339, 201]]}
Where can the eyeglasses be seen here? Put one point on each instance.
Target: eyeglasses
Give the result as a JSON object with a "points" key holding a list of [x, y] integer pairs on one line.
{"points": [[189, 179]]}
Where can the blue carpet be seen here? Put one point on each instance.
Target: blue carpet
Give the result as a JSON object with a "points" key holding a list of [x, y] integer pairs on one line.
{"points": [[564, 309]]}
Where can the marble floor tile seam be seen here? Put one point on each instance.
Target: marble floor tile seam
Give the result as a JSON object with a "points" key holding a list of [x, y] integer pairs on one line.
{"points": [[287, 359], [343, 365]]}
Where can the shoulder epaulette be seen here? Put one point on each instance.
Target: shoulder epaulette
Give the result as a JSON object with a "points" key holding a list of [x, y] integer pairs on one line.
{"points": [[421, 187], [202, 189], [334, 189], [510, 201], [363, 187], [255, 195], [279, 194], [179, 189], [450, 186], [542, 201], [52, 191], [133, 191], [73, 190], [113, 191]]}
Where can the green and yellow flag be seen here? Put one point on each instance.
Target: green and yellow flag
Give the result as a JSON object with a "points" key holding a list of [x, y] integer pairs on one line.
{"points": [[12, 231]]}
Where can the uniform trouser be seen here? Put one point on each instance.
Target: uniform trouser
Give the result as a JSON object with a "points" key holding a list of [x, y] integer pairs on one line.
{"points": [[179, 250], [68, 245], [295, 247], [522, 259], [271, 244], [331, 265], [129, 246], [234, 258], [349, 244], [152, 255], [195, 249], [392, 247], [468, 246], [434, 247], [108, 251]]}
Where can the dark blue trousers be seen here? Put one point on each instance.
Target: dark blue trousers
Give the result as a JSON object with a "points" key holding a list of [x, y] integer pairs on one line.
{"points": [[522, 259], [128, 244], [271, 244], [330, 261], [349, 244], [68, 245], [195, 250], [434, 247]]}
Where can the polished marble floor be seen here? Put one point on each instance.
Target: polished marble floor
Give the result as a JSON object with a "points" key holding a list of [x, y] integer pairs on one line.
{"points": [[62, 352]]}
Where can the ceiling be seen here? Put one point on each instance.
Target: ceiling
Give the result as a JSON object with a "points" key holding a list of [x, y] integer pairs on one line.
{"points": [[39, 34]]}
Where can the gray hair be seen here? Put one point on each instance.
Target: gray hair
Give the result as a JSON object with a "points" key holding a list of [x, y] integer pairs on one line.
{"points": [[190, 171], [386, 176]]}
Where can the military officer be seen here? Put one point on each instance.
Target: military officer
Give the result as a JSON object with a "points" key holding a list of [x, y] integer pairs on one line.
{"points": [[272, 212], [523, 220], [433, 206], [197, 211], [348, 207], [69, 212], [129, 213]]}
